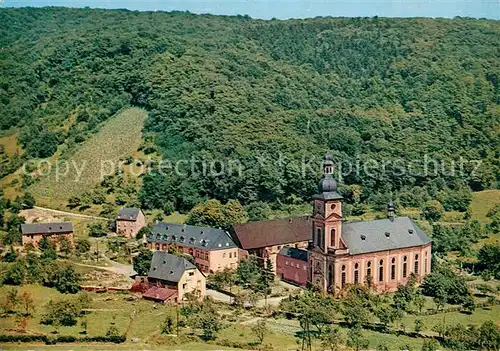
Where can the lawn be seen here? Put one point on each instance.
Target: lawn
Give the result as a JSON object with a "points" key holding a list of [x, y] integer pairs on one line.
{"points": [[482, 202], [119, 137], [478, 317], [142, 320]]}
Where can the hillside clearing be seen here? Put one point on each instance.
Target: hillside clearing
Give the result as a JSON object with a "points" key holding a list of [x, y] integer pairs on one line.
{"points": [[10, 144], [79, 172], [482, 202]]}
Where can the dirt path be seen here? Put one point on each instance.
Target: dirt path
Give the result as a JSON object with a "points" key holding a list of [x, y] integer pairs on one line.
{"points": [[69, 214], [118, 268]]}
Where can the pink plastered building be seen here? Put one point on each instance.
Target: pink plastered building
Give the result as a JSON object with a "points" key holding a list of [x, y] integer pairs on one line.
{"points": [[212, 249], [383, 252], [130, 221]]}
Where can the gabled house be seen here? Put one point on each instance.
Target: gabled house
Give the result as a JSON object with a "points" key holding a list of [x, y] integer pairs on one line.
{"points": [[171, 277], [34, 232], [129, 221], [265, 239]]}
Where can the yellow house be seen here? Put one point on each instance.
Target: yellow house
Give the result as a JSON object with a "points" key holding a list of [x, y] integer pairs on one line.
{"points": [[171, 277]]}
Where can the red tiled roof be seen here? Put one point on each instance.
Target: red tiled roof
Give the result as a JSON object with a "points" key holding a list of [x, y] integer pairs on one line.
{"points": [[259, 234], [159, 294]]}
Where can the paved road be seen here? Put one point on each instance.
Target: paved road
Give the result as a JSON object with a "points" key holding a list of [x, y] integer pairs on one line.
{"points": [[218, 296]]}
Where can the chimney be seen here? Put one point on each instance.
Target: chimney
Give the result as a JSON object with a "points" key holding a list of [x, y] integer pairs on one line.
{"points": [[391, 210]]}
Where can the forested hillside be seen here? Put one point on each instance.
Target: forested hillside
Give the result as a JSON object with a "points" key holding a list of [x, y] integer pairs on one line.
{"points": [[267, 93]]}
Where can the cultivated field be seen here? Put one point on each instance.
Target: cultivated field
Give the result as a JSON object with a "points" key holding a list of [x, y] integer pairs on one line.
{"points": [[119, 137], [10, 145]]}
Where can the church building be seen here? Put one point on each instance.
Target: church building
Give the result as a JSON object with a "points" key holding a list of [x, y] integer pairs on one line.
{"points": [[383, 252]]}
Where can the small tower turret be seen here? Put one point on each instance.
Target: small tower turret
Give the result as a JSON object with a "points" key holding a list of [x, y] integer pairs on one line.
{"points": [[391, 210]]}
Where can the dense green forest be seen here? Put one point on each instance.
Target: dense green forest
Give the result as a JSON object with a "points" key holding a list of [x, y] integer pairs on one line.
{"points": [[266, 93]]}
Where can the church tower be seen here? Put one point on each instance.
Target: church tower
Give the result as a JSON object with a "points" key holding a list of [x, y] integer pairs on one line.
{"points": [[327, 228]]}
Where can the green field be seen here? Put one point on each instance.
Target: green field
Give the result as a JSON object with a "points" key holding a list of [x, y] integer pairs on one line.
{"points": [[141, 321], [482, 202], [119, 137]]}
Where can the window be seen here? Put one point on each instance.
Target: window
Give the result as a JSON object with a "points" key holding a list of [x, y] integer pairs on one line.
{"points": [[393, 268], [191, 274], [405, 267], [331, 281], [415, 265], [298, 265], [343, 276], [356, 274], [318, 237], [286, 263], [184, 286], [305, 267], [369, 272], [332, 237], [230, 255], [425, 268], [224, 255], [381, 271]]}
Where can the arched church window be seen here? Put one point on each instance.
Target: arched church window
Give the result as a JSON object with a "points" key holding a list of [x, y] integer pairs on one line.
{"points": [[330, 276], [356, 273], [369, 271], [405, 267], [381, 271], [393, 268], [318, 237], [332, 237], [415, 265], [343, 275]]}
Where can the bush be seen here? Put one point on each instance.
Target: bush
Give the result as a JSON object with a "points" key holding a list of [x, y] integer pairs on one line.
{"points": [[446, 286], [117, 339]]}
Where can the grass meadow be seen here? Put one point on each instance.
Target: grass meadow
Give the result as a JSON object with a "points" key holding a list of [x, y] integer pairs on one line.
{"points": [[140, 320]]}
